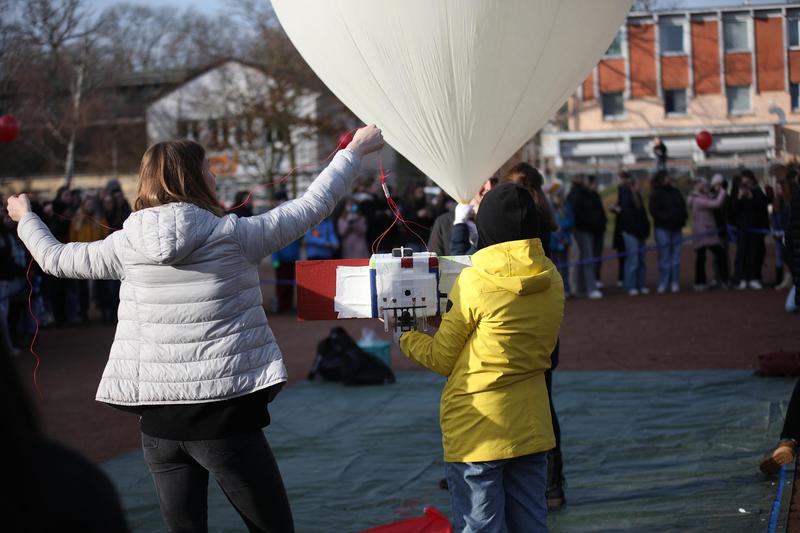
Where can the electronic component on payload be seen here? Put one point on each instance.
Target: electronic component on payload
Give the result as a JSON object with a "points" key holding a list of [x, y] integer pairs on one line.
{"points": [[404, 287]]}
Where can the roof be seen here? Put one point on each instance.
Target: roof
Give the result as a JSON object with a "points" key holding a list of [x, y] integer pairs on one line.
{"points": [[714, 9]]}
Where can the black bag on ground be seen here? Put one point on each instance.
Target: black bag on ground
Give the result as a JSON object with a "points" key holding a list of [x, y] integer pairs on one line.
{"points": [[339, 358]]}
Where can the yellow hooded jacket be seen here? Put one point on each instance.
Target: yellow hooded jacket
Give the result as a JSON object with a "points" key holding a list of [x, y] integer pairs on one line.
{"points": [[494, 345]]}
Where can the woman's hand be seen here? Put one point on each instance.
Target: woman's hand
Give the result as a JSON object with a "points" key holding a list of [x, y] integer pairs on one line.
{"points": [[366, 140], [18, 207]]}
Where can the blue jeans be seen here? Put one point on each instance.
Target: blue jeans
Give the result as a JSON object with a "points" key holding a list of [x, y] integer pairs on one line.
{"points": [[635, 268], [585, 278], [499, 496], [561, 259], [669, 257]]}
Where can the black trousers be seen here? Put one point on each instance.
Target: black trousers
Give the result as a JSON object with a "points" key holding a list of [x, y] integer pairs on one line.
{"points": [[720, 262], [750, 251], [244, 467], [598, 241], [791, 424], [548, 379]]}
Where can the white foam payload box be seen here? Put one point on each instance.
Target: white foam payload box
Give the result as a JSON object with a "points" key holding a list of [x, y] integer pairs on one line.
{"points": [[405, 288]]}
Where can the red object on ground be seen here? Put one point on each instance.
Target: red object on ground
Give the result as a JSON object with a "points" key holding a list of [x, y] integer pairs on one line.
{"points": [[704, 140], [344, 139], [8, 128], [432, 522], [316, 287], [779, 364]]}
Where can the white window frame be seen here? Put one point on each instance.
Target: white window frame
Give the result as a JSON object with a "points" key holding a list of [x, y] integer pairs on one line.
{"points": [[674, 21], [749, 110], [612, 118], [683, 113], [748, 20], [793, 17]]}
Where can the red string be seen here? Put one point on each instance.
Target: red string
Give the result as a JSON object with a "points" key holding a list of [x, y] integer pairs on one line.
{"points": [[36, 329], [398, 216], [295, 169]]}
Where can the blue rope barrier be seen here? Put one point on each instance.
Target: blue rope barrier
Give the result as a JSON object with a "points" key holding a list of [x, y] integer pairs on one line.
{"points": [[776, 504]]}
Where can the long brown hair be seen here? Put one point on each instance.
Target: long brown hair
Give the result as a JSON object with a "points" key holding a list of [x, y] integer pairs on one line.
{"points": [[173, 171], [530, 178]]}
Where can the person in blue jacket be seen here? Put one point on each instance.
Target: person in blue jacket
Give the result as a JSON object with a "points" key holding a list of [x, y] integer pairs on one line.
{"points": [[321, 241], [561, 239]]}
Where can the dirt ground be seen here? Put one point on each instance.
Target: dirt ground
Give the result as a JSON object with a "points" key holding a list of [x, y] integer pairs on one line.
{"points": [[688, 330]]}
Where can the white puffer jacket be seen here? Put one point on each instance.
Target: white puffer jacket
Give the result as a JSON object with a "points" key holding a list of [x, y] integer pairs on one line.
{"points": [[191, 323]]}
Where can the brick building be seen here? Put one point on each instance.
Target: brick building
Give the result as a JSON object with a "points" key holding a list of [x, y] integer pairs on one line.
{"points": [[732, 71]]}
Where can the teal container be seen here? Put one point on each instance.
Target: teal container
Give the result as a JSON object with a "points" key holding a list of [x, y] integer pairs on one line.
{"points": [[380, 349]]}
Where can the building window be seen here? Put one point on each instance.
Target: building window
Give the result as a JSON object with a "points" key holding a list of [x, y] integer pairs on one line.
{"points": [[671, 36], [794, 31], [675, 101], [738, 100], [794, 91], [615, 49], [613, 105], [736, 35]]}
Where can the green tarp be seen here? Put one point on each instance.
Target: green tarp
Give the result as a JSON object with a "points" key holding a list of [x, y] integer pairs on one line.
{"points": [[644, 451]]}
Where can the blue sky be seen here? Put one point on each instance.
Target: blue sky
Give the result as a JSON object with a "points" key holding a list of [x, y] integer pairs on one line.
{"points": [[211, 6]]}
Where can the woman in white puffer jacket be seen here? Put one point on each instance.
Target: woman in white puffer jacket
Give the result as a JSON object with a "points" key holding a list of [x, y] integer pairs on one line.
{"points": [[193, 354]]}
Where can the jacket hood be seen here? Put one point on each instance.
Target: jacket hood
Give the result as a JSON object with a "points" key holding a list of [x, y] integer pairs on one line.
{"points": [[168, 233], [516, 266]]}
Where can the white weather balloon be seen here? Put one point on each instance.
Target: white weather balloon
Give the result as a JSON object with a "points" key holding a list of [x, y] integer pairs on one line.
{"points": [[456, 85]]}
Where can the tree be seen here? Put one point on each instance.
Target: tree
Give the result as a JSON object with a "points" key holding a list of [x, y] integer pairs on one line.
{"points": [[282, 107]]}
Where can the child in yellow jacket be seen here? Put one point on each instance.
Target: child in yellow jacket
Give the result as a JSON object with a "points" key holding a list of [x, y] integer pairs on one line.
{"points": [[494, 345]]}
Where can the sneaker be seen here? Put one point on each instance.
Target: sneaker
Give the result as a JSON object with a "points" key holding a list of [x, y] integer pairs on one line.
{"points": [[620, 284], [700, 287], [675, 287], [599, 284], [742, 285], [755, 285], [633, 292], [644, 290], [595, 295], [661, 290]]}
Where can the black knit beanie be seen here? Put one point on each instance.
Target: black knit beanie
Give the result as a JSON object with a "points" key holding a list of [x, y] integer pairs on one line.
{"points": [[507, 213]]}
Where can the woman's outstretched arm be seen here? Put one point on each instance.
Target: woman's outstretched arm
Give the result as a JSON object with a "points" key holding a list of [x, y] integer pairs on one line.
{"points": [[93, 260], [267, 233]]}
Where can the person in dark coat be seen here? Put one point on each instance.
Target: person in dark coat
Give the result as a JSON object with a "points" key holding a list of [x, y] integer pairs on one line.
{"points": [[749, 211], [668, 209], [243, 204], [599, 237], [660, 153], [635, 227], [590, 220]]}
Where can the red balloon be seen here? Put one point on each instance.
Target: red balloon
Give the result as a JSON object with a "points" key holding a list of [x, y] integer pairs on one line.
{"points": [[8, 128], [704, 140], [344, 139]]}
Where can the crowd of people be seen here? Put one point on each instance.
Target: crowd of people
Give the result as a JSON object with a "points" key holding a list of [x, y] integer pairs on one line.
{"points": [[741, 214], [73, 215], [722, 215]]}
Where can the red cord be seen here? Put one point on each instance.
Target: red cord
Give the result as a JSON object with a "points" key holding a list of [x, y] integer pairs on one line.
{"points": [[36, 329], [398, 216], [293, 170]]}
